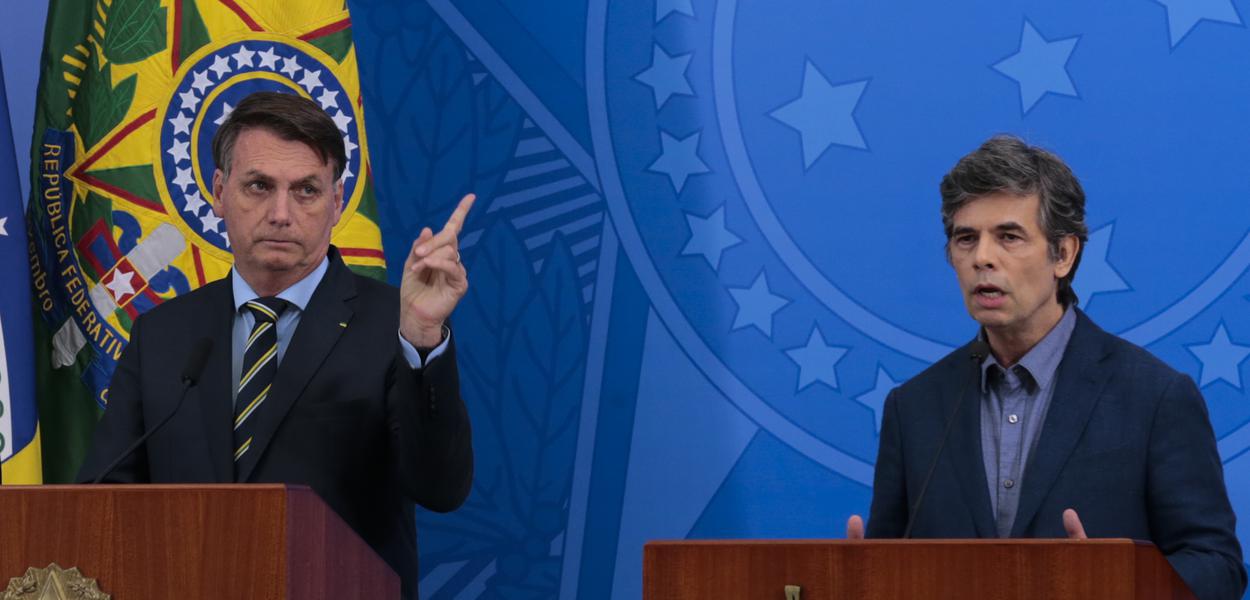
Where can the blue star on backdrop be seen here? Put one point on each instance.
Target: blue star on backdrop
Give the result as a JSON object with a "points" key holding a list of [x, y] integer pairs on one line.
{"points": [[1185, 15], [823, 114], [1039, 67]]}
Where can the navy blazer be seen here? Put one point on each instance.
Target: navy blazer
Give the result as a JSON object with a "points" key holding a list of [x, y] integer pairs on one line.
{"points": [[347, 416], [1127, 443]]}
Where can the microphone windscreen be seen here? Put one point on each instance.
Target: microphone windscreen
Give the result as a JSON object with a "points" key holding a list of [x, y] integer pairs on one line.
{"points": [[978, 350]]}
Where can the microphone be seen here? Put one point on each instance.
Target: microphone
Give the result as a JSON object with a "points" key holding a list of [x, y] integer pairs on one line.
{"points": [[190, 376], [977, 351]]}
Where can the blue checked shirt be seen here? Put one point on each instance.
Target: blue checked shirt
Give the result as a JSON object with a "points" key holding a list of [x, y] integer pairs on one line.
{"points": [[1013, 408]]}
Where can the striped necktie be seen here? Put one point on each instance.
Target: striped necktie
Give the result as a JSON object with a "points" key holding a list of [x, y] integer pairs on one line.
{"points": [[260, 363]]}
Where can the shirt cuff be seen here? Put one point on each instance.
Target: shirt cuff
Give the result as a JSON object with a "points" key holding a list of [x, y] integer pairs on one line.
{"points": [[414, 357]]}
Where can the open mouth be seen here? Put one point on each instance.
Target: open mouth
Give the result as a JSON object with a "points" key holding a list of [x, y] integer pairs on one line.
{"points": [[988, 291]]}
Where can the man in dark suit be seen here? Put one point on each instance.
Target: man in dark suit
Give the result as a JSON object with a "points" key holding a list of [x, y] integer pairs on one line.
{"points": [[316, 375], [1060, 428]]}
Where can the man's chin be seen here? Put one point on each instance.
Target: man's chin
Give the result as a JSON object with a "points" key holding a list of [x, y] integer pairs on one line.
{"points": [[988, 317], [279, 258]]}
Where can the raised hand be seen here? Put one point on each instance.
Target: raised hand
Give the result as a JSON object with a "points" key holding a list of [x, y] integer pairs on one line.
{"points": [[434, 280]]}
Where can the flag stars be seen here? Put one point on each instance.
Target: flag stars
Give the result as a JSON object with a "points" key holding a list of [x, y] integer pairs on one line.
{"points": [[194, 202], [121, 284], [181, 123], [221, 66], [184, 179], [268, 59], [200, 81], [3, 221], [348, 146], [311, 80], [328, 99], [290, 66], [179, 151], [190, 101], [244, 57], [226, 109], [342, 120], [210, 222], [816, 361]]}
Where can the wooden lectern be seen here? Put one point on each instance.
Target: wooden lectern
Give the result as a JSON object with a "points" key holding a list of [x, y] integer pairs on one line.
{"points": [[1104, 569], [144, 542]]}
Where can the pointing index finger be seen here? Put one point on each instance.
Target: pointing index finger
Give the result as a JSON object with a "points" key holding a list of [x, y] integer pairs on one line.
{"points": [[456, 221]]}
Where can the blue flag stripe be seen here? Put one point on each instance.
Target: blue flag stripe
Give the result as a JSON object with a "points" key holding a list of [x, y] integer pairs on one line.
{"points": [[15, 311]]}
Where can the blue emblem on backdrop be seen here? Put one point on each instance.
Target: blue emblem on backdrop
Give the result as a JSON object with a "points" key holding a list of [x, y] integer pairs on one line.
{"points": [[709, 242]]}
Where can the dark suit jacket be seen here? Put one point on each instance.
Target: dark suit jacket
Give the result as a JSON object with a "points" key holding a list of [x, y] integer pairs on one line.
{"points": [[347, 416], [1126, 442]]}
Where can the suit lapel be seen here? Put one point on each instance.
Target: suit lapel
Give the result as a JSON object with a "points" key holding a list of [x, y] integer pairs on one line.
{"points": [[1077, 390], [318, 330], [964, 443], [214, 388]]}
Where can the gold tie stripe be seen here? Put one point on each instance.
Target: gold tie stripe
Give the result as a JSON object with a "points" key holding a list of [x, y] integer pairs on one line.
{"points": [[260, 365]]}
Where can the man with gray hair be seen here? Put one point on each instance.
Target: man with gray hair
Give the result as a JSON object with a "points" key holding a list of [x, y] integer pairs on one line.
{"points": [[1045, 425]]}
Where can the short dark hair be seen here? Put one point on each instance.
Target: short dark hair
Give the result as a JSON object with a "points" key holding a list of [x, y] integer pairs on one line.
{"points": [[290, 117], [1005, 164]]}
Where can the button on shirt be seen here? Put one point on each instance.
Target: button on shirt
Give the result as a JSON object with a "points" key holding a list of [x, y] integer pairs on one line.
{"points": [[1014, 402], [298, 295]]}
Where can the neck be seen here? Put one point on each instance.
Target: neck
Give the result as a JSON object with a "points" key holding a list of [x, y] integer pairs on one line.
{"points": [[1010, 344], [267, 284]]}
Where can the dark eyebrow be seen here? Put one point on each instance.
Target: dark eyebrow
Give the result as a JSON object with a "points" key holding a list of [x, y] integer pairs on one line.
{"points": [[962, 230], [307, 180], [1011, 226], [254, 174]]}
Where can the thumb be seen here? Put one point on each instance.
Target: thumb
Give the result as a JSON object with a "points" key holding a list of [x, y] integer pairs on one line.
{"points": [[1072, 524], [855, 528]]}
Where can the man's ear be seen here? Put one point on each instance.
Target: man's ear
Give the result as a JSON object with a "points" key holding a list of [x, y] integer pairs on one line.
{"points": [[338, 200], [219, 184], [1069, 246]]}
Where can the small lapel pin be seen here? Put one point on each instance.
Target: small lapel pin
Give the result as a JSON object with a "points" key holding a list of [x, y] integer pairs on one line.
{"points": [[343, 324]]}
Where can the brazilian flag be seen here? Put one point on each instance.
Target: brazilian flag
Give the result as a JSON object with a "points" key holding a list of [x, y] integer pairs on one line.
{"points": [[19, 423], [120, 215]]}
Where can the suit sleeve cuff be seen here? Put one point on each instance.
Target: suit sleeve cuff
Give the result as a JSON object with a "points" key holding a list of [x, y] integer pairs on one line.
{"points": [[414, 357]]}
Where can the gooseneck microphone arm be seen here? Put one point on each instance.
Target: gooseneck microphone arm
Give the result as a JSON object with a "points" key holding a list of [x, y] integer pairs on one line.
{"points": [[977, 352], [190, 376]]}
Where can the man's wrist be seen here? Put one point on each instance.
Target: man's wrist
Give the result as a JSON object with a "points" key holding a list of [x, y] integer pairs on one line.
{"points": [[427, 339]]}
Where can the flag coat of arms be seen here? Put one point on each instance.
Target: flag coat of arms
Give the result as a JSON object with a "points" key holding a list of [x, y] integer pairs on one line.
{"points": [[131, 92]]}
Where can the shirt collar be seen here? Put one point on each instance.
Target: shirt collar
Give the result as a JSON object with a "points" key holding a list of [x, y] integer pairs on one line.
{"points": [[298, 294], [1042, 361]]}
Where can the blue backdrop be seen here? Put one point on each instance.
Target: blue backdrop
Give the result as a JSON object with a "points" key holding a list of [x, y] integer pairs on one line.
{"points": [[709, 242]]}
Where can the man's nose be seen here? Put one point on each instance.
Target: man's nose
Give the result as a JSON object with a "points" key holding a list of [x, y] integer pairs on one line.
{"points": [[983, 255], [280, 210]]}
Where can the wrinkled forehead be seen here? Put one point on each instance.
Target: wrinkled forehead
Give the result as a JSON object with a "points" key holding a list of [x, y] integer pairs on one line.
{"points": [[259, 152]]}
